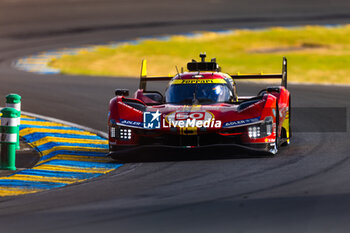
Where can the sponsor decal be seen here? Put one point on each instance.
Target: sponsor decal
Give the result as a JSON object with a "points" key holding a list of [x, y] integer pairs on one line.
{"points": [[199, 81], [131, 108], [284, 112], [151, 120], [268, 140], [197, 119], [253, 105], [131, 123], [241, 122]]}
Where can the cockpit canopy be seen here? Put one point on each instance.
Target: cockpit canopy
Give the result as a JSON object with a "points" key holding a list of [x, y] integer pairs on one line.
{"points": [[199, 90]]}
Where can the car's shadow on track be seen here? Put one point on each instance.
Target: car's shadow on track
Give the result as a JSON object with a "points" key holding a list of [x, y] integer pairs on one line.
{"points": [[168, 154]]}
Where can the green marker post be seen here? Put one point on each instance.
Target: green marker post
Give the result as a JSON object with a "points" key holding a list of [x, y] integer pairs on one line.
{"points": [[14, 101], [9, 131]]}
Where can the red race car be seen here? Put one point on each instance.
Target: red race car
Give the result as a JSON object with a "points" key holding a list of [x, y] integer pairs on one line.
{"points": [[199, 109]]}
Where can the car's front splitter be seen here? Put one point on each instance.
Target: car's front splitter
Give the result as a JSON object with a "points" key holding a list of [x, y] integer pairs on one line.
{"points": [[200, 152]]}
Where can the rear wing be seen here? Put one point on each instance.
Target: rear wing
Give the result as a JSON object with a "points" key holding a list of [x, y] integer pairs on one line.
{"points": [[282, 76], [144, 78]]}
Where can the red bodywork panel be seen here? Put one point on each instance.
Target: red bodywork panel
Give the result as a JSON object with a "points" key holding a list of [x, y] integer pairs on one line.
{"points": [[234, 119]]}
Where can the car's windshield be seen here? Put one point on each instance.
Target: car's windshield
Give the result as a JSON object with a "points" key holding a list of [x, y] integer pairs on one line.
{"points": [[203, 93]]}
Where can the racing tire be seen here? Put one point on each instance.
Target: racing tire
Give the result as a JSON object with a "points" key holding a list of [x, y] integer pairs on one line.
{"points": [[286, 143], [274, 149]]}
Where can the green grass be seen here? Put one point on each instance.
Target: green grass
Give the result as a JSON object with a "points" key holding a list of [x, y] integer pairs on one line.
{"points": [[315, 54]]}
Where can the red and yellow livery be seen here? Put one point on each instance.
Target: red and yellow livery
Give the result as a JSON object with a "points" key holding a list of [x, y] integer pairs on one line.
{"points": [[200, 108]]}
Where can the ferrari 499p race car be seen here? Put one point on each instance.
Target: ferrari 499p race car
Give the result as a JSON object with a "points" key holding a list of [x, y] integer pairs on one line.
{"points": [[200, 108]]}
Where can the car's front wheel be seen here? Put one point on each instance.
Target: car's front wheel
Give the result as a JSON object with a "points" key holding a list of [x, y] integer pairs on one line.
{"points": [[274, 148]]}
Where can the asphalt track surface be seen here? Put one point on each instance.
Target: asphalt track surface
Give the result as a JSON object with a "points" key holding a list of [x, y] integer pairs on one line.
{"points": [[304, 189]]}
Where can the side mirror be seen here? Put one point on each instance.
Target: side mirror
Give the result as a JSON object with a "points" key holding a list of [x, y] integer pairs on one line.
{"points": [[123, 92]]}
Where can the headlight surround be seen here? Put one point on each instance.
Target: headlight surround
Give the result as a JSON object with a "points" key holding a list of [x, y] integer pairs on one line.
{"points": [[121, 133], [125, 133], [254, 131], [261, 130], [112, 132]]}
